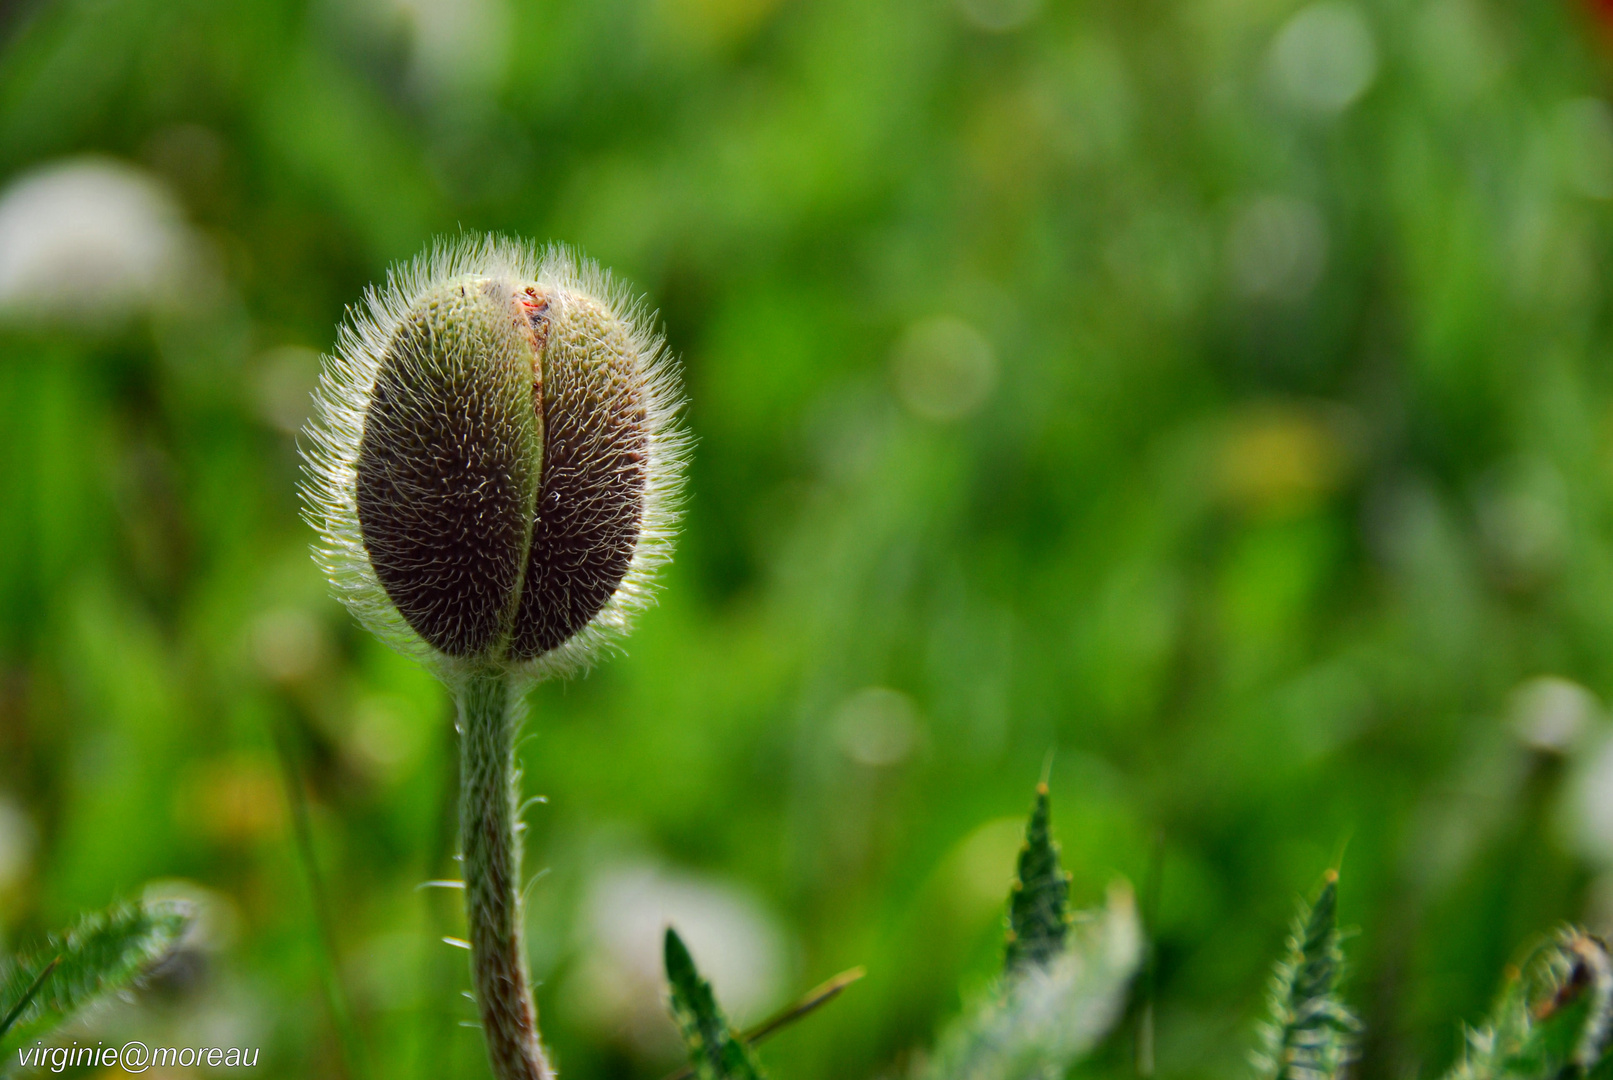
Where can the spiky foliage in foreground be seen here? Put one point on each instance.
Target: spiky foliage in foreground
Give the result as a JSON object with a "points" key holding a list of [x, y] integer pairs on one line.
{"points": [[1311, 1034], [106, 952], [1044, 1016], [1552, 1019], [1064, 979], [715, 1051], [1038, 901], [1063, 985]]}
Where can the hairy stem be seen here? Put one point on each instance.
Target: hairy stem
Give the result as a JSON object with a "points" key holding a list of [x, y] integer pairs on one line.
{"points": [[488, 716]]}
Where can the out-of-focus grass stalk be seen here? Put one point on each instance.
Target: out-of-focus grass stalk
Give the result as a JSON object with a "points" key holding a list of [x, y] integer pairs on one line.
{"points": [[341, 1013], [440, 970]]}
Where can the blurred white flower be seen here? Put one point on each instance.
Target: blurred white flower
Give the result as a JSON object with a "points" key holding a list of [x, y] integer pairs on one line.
{"points": [[1323, 58], [1551, 714], [1590, 804], [87, 238], [735, 942], [457, 47]]}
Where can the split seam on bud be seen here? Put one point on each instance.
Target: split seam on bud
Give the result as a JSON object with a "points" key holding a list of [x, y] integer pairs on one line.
{"points": [[494, 463]]}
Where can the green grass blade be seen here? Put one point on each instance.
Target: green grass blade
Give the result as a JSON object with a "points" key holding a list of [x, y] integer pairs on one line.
{"points": [[807, 1004], [1310, 1034], [302, 832], [1038, 901], [106, 952], [715, 1052]]}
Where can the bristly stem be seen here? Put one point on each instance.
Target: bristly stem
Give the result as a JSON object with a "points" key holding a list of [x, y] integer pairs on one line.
{"points": [[489, 712]]}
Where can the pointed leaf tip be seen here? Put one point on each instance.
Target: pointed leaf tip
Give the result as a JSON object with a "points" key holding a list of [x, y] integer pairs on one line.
{"points": [[1310, 1034], [1038, 898], [1322, 960], [715, 1052], [679, 964]]}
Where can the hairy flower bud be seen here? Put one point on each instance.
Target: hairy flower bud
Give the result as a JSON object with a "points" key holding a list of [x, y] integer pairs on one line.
{"points": [[492, 460]]}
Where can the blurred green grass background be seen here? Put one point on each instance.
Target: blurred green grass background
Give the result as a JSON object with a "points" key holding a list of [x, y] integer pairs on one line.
{"points": [[1214, 394]]}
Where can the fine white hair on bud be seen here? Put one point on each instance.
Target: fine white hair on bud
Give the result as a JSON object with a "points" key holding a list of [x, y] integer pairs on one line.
{"points": [[493, 465]]}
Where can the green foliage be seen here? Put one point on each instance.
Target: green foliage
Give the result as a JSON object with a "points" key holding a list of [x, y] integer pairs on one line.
{"points": [[1310, 1034], [106, 952], [1038, 915], [1552, 1018], [1064, 980], [1062, 988], [807, 1004], [36, 984], [715, 1051], [1077, 382], [1042, 1017]]}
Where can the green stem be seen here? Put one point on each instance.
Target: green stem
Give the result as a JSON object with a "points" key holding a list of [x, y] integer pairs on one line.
{"points": [[488, 715]]}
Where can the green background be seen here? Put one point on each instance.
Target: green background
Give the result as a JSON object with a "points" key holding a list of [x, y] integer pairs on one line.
{"points": [[1212, 395]]}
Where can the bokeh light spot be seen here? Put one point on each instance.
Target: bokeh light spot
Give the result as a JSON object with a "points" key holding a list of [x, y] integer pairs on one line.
{"points": [[1323, 58], [944, 369]]}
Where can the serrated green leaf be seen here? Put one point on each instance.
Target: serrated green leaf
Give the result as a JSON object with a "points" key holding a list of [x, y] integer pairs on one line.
{"points": [[1551, 1020], [1310, 1034], [715, 1051], [1038, 901], [1043, 1017], [104, 953], [36, 984]]}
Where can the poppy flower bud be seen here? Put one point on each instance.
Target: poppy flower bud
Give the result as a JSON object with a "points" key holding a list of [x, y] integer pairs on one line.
{"points": [[493, 459]]}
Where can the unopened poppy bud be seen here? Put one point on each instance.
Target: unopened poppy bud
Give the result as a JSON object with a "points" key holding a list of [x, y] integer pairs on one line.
{"points": [[492, 459]]}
